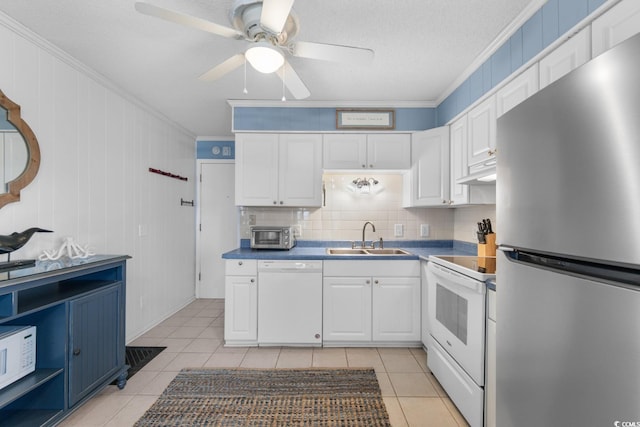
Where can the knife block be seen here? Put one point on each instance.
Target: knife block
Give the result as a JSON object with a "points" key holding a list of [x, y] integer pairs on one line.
{"points": [[488, 248]]}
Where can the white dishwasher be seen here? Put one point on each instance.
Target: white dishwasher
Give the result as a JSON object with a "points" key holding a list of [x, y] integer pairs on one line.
{"points": [[290, 303]]}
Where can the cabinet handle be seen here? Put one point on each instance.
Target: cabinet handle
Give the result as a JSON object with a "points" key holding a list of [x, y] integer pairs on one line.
{"points": [[371, 166], [239, 262], [375, 281], [368, 282], [275, 203], [253, 280], [281, 202], [76, 351], [364, 166], [444, 202], [493, 152]]}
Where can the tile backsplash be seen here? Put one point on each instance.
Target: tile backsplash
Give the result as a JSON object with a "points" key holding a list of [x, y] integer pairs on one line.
{"points": [[345, 212]]}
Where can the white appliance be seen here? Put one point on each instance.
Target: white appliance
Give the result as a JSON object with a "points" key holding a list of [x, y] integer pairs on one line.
{"points": [[290, 302], [457, 306], [568, 346], [17, 353]]}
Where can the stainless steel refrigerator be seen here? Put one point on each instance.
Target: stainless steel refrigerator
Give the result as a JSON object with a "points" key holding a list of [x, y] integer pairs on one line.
{"points": [[568, 274]]}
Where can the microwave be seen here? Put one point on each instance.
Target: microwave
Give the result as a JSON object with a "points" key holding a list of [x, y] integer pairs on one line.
{"points": [[17, 353], [272, 237]]}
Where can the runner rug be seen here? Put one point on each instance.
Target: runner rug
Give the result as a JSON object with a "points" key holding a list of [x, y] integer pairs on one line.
{"points": [[269, 397]]}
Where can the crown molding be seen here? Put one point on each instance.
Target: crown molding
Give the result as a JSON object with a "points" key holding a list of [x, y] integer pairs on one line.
{"points": [[63, 56]]}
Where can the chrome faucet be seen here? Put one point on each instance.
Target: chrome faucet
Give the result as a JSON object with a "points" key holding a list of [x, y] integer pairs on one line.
{"points": [[373, 227]]}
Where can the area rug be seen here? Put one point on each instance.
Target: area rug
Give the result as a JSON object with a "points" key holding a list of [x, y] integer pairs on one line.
{"points": [[138, 357], [269, 397]]}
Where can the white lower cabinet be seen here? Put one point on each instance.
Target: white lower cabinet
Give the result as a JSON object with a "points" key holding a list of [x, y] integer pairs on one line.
{"points": [[241, 302], [371, 301], [490, 382]]}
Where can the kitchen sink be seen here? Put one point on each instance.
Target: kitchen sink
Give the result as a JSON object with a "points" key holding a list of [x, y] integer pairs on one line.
{"points": [[346, 251], [392, 251], [359, 251]]}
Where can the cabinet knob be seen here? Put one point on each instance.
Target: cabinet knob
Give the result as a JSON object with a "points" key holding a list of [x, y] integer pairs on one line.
{"points": [[253, 280], [239, 262], [317, 336], [76, 351], [281, 202], [375, 281], [370, 166], [493, 152], [275, 203], [364, 166], [368, 282], [444, 202]]}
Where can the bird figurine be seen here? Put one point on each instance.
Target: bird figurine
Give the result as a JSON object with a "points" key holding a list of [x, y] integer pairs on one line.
{"points": [[15, 240]]}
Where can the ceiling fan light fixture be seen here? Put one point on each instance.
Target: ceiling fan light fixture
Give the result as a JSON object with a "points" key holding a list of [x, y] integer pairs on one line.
{"points": [[264, 57]]}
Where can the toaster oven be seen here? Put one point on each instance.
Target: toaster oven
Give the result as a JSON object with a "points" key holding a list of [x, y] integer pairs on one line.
{"points": [[272, 237]]}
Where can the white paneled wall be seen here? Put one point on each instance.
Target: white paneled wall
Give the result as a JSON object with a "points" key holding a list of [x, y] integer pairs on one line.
{"points": [[97, 145]]}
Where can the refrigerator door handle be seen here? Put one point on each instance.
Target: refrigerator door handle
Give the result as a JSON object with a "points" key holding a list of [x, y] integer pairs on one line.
{"points": [[506, 249]]}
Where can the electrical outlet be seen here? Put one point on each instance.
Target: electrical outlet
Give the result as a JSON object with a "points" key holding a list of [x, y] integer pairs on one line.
{"points": [[297, 231], [424, 230], [398, 230], [252, 219]]}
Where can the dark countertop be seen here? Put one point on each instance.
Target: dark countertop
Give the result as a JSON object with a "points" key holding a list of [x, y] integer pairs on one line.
{"points": [[317, 250]]}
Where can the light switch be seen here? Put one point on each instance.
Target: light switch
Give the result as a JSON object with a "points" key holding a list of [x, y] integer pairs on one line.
{"points": [[398, 230], [424, 230]]}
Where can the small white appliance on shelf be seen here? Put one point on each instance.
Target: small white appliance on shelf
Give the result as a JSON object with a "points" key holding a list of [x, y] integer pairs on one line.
{"points": [[272, 237], [17, 353]]}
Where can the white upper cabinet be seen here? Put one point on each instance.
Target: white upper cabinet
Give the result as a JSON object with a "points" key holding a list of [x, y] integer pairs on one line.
{"points": [[429, 184], [567, 57], [517, 90], [278, 170], [459, 165], [362, 151], [481, 121], [617, 24]]}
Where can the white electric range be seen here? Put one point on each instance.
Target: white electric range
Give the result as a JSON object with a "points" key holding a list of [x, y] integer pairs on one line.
{"points": [[457, 315]]}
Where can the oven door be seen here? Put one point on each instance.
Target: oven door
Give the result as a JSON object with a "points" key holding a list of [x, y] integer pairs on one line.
{"points": [[266, 238], [457, 317]]}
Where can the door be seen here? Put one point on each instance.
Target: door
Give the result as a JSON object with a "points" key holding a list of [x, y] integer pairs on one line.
{"points": [[347, 309], [256, 169], [218, 229], [300, 170], [567, 349], [241, 309], [396, 309], [430, 168], [96, 348]]}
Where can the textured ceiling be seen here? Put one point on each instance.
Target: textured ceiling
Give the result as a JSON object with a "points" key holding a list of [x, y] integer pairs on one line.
{"points": [[421, 47]]}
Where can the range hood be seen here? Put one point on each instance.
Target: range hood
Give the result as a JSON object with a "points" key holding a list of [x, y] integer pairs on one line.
{"points": [[486, 176]]}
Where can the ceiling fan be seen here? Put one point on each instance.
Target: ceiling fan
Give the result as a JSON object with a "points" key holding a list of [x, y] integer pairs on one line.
{"points": [[269, 26]]}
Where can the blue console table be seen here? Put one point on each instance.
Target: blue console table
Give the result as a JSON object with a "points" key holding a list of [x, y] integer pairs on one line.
{"points": [[78, 308]]}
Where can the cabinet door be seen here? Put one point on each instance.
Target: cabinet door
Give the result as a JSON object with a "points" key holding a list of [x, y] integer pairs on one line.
{"points": [[344, 151], [241, 309], [256, 169], [396, 309], [430, 167], [617, 24], [459, 161], [97, 347], [517, 90], [567, 57], [482, 132], [346, 309], [389, 151], [490, 383], [300, 170]]}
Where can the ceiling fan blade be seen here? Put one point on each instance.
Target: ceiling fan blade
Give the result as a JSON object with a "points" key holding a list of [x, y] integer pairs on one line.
{"points": [[293, 82], [275, 14], [332, 52], [226, 67], [187, 20]]}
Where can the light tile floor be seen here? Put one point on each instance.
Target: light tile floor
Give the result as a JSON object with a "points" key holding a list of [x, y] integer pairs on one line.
{"points": [[194, 338]]}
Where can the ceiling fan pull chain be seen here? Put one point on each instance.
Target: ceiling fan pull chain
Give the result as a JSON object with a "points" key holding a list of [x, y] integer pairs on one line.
{"points": [[245, 76], [284, 74]]}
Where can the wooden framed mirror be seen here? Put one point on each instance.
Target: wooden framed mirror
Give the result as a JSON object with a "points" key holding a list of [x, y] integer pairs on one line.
{"points": [[20, 152]]}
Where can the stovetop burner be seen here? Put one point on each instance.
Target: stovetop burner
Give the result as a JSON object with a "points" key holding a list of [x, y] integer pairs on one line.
{"points": [[481, 268]]}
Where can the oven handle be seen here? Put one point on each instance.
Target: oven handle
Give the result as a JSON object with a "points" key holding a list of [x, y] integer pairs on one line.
{"points": [[458, 279]]}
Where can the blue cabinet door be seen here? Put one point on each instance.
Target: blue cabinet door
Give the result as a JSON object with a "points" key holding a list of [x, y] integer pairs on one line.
{"points": [[96, 344]]}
